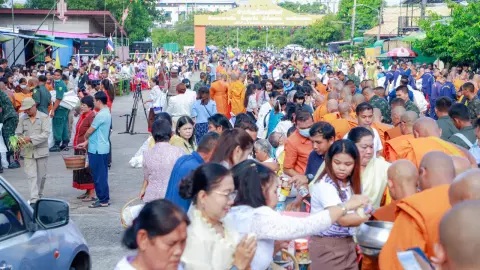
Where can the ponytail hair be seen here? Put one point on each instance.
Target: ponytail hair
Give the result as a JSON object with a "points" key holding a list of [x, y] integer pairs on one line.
{"points": [[159, 217], [205, 177]]}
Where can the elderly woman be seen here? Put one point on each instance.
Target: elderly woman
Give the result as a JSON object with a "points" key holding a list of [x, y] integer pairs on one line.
{"points": [[262, 151], [158, 162], [373, 169], [82, 179]]}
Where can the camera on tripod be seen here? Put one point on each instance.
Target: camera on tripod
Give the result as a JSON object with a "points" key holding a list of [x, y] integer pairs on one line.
{"points": [[137, 97]]}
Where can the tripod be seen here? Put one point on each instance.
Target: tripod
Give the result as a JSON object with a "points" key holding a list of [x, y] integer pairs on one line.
{"points": [[130, 123]]}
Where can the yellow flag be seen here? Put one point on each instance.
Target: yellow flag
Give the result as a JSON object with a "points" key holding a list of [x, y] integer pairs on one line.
{"points": [[57, 61], [147, 57], [101, 59]]}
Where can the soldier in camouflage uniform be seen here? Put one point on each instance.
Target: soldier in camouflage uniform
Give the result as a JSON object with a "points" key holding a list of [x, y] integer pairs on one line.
{"points": [[473, 100], [378, 102], [9, 119], [402, 92]]}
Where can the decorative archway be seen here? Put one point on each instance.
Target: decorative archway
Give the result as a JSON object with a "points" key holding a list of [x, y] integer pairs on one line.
{"points": [[255, 13]]}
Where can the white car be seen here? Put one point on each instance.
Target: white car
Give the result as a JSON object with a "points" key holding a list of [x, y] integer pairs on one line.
{"points": [[40, 238]]}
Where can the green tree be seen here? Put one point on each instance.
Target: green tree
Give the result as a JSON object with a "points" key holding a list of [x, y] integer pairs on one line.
{"points": [[71, 4], [455, 40], [310, 8], [366, 16]]}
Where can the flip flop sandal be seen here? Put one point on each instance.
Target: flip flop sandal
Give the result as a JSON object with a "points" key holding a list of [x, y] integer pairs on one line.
{"points": [[98, 204], [66, 149], [87, 199]]}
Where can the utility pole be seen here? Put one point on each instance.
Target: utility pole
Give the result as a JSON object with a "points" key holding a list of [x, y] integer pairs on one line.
{"points": [[352, 34], [237, 37], [422, 9], [13, 31], [380, 12]]}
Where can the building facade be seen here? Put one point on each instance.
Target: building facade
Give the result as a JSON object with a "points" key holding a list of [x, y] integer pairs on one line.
{"points": [[180, 9]]}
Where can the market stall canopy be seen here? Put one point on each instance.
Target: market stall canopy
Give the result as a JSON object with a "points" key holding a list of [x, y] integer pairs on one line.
{"points": [[262, 13], [402, 52], [5, 38], [414, 37], [51, 43]]}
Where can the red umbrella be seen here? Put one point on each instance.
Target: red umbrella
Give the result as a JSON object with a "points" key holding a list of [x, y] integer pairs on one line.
{"points": [[402, 52]]}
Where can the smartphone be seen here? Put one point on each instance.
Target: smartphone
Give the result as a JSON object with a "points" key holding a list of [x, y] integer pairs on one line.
{"points": [[414, 259]]}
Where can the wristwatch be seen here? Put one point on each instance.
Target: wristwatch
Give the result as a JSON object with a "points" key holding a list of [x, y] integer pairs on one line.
{"points": [[343, 207]]}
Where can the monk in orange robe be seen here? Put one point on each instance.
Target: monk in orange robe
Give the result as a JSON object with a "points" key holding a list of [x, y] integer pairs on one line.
{"points": [[402, 181], [321, 88], [322, 109], [332, 108], [379, 126], [418, 216], [345, 123], [395, 130], [236, 94], [219, 94], [427, 138]]}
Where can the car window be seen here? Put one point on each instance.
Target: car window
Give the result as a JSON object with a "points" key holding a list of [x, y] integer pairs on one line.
{"points": [[11, 219]]}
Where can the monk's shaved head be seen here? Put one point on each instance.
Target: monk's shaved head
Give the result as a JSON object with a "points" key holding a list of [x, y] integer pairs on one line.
{"points": [[402, 179], [332, 105], [377, 115], [436, 168], [408, 119], [466, 186], [233, 76], [461, 164], [344, 108], [332, 95], [426, 127], [459, 238], [348, 99], [358, 98], [397, 114]]}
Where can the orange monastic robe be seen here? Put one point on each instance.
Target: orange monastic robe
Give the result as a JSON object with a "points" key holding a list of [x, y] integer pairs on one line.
{"points": [[330, 117], [416, 225], [219, 93], [413, 149], [342, 127], [385, 213], [320, 112], [381, 128], [322, 89], [236, 95], [393, 133]]}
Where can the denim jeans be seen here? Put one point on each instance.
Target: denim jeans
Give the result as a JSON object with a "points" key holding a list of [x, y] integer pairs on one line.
{"points": [[98, 164]]}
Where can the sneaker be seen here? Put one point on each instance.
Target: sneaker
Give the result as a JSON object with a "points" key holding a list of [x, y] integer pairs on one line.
{"points": [[14, 165], [55, 148]]}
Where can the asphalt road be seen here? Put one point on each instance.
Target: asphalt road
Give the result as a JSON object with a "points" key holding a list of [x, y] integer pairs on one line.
{"points": [[101, 227]]}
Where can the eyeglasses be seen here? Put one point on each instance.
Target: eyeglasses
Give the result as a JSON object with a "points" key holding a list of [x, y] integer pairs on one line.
{"points": [[231, 196]]}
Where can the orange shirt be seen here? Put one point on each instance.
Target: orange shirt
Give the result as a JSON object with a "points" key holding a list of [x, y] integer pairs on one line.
{"points": [[297, 150]]}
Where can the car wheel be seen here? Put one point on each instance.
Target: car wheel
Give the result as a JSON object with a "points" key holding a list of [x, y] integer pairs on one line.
{"points": [[81, 262]]}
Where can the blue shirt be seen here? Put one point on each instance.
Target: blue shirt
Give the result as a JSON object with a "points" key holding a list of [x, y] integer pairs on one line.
{"points": [[427, 83], [98, 142], [393, 94], [273, 121], [313, 164], [183, 167], [203, 112]]}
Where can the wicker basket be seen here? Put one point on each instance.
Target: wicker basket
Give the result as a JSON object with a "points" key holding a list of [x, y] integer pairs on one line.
{"points": [[75, 162], [275, 266], [129, 212]]}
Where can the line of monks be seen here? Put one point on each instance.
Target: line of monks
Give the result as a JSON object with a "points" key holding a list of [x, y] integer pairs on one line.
{"points": [[428, 177]]}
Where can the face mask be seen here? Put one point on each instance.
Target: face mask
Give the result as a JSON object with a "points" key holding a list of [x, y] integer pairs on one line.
{"points": [[304, 132], [56, 81], [23, 86]]}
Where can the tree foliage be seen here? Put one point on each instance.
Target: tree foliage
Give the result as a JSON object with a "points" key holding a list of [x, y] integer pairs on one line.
{"points": [[366, 15], [455, 40], [311, 8], [141, 18]]}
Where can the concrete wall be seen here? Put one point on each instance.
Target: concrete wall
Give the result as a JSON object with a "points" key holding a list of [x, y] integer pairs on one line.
{"points": [[74, 24]]}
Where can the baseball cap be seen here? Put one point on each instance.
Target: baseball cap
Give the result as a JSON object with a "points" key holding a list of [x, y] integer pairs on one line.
{"points": [[27, 103]]}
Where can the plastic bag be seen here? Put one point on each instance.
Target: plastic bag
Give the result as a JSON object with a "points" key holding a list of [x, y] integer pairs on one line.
{"points": [[51, 141], [3, 150], [137, 160]]}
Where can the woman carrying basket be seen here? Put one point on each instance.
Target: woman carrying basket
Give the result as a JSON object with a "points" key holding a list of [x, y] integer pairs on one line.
{"points": [[82, 179]]}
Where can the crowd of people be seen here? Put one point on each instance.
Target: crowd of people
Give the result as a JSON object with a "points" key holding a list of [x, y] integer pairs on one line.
{"points": [[399, 142]]}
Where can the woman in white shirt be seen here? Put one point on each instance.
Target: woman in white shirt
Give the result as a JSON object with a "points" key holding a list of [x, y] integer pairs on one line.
{"points": [[253, 212], [159, 234], [212, 244], [334, 247], [157, 96], [180, 104]]}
